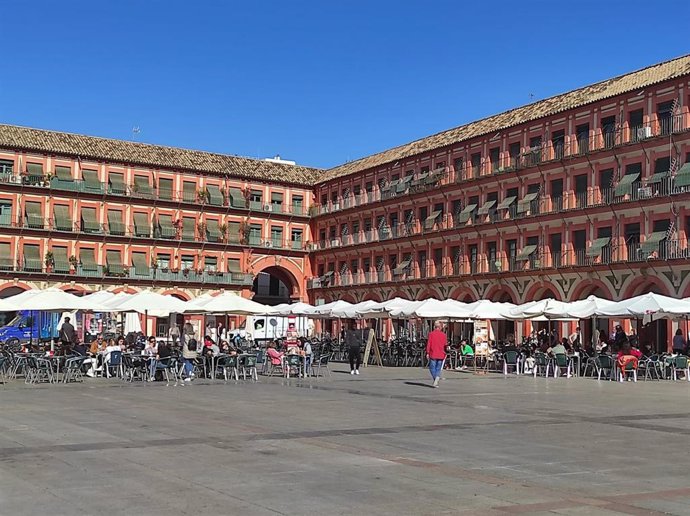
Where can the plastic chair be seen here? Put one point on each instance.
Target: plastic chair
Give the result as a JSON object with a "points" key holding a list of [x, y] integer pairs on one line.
{"points": [[680, 363], [114, 362], [541, 364], [603, 363], [511, 359], [559, 362], [248, 365], [292, 362]]}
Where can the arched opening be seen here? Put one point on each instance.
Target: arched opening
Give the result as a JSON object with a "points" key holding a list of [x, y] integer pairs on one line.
{"points": [[275, 285], [6, 317]]}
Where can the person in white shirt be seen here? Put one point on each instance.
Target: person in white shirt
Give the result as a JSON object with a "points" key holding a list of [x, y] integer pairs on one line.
{"points": [[112, 346]]}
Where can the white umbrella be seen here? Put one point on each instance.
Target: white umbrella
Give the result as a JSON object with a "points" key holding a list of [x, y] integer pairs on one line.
{"points": [[48, 300], [286, 309], [586, 308], [383, 309], [352, 312], [102, 297], [198, 302], [485, 309], [229, 303], [326, 310], [547, 309], [132, 323], [404, 310], [648, 306], [150, 303], [446, 309]]}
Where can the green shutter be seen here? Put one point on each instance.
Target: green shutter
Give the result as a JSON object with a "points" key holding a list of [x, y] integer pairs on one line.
{"points": [[466, 213], [34, 215], [234, 236], [141, 267], [683, 176], [62, 220], [117, 183], [89, 222], [142, 187], [234, 265], [506, 203], [167, 228], [188, 228], [597, 246], [651, 243], [141, 225], [87, 257], [60, 259], [431, 219], [6, 262], [213, 231], [215, 195], [624, 186], [486, 207], [237, 199], [526, 252], [165, 188], [525, 203], [188, 191], [32, 258], [35, 169], [113, 259], [115, 225], [91, 182], [64, 173]]}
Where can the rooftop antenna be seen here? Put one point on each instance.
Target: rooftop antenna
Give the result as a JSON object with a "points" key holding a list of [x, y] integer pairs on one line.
{"points": [[531, 97], [135, 131]]}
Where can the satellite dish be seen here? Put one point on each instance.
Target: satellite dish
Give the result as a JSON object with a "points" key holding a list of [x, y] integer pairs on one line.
{"points": [[273, 322]]}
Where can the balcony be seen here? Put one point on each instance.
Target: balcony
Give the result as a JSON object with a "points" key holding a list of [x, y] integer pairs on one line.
{"points": [[221, 198]]}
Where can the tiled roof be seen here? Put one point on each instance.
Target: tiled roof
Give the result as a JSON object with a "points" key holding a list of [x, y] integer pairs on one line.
{"points": [[580, 97], [158, 156]]}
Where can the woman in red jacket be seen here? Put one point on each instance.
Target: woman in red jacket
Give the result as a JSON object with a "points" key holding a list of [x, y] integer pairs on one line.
{"points": [[436, 351]]}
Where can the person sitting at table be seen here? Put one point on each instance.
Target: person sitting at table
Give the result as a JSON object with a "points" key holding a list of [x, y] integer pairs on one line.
{"points": [[189, 354], [627, 355], [112, 346], [224, 347], [558, 349], [162, 351], [96, 356], [79, 349], [275, 356], [466, 351], [151, 349], [529, 362]]}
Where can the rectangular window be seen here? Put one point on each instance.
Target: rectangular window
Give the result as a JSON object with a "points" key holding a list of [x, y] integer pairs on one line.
{"points": [[555, 243], [255, 234], [459, 166], [476, 164], [514, 153], [494, 156], [297, 205], [276, 236], [421, 260], [635, 123], [165, 188], [296, 238], [210, 263], [473, 253], [115, 225], [6, 166], [5, 213], [582, 135], [608, 131], [664, 113], [438, 262], [558, 142]]}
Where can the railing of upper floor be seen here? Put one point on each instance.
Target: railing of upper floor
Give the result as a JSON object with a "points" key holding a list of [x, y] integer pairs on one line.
{"points": [[547, 152], [536, 261], [221, 198]]}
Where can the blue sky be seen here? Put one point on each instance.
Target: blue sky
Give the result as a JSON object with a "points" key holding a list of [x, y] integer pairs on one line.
{"points": [[319, 82]]}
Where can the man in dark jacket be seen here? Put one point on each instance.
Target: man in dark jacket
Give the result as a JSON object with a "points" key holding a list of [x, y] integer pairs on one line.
{"points": [[68, 335], [353, 342]]}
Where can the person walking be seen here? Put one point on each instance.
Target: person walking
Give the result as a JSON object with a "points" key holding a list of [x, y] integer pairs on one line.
{"points": [[436, 351], [353, 342], [174, 334], [68, 336]]}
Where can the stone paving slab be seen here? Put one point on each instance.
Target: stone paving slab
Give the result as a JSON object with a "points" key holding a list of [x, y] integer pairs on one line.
{"points": [[380, 443]]}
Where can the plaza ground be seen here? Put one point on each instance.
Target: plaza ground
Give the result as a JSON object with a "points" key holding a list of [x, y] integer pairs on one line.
{"points": [[379, 443]]}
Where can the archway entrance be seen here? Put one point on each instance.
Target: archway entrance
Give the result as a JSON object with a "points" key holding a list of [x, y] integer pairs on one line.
{"points": [[275, 285]]}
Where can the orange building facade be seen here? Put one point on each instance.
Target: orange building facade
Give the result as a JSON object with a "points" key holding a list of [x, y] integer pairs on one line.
{"points": [[583, 193]]}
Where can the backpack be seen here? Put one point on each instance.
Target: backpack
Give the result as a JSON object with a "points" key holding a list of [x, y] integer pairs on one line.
{"points": [[191, 345]]}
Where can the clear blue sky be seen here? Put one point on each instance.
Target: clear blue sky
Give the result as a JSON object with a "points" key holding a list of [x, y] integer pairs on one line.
{"points": [[320, 82]]}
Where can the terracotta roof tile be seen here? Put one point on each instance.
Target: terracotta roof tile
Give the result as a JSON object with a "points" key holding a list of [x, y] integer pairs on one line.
{"points": [[609, 88], [158, 156]]}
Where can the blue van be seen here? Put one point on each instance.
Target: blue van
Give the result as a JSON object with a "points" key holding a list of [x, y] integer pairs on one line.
{"points": [[31, 326]]}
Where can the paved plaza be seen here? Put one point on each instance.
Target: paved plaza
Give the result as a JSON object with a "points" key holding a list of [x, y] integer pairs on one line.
{"points": [[379, 443]]}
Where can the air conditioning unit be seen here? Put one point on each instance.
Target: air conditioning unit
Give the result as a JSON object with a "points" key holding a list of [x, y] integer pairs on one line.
{"points": [[644, 132], [268, 207], [268, 243], [644, 192], [336, 206], [335, 243]]}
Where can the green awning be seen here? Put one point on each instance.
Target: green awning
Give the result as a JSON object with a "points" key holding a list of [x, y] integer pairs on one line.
{"points": [[141, 266], [87, 257], [651, 243], [402, 266], [64, 173], [403, 184], [61, 217], [214, 195], [431, 219], [213, 230], [141, 225], [658, 177], [188, 191], [115, 225], [234, 265], [525, 203], [117, 183], [466, 213], [526, 252], [234, 236], [420, 179], [506, 203], [597, 246], [188, 228], [113, 258], [91, 182], [682, 177], [165, 188], [624, 186], [60, 259], [387, 187], [32, 257], [237, 199], [142, 186], [6, 262], [167, 228], [34, 216], [34, 169], [486, 207], [89, 222]]}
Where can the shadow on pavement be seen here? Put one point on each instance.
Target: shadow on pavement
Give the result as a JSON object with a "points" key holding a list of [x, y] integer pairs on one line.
{"points": [[419, 384]]}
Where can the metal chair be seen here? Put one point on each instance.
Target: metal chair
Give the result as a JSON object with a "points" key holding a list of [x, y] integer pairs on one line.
{"points": [[321, 361], [248, 365], [604, 363], [114, 362], [651, 367], [72, 371], [292, 362]]}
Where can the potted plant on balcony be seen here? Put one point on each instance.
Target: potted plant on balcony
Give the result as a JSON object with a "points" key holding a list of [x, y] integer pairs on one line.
{"points": [[244, 232], [185, 272], [202, 195], [74, 263], [223, 228], [49, 261], [154, 263], [201, 228]]}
